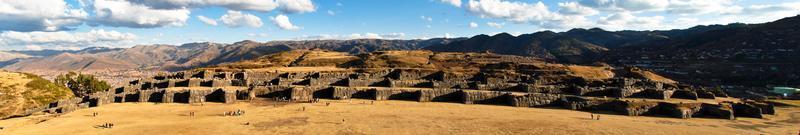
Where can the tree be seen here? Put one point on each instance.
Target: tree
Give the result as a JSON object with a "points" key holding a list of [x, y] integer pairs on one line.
{"points": [[82, 84]]}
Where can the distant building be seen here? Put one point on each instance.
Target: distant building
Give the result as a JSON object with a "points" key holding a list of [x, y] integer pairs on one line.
{"points": [[785, 90]]}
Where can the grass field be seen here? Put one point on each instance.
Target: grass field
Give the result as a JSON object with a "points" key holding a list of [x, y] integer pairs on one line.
{"points": [[382, 117]]}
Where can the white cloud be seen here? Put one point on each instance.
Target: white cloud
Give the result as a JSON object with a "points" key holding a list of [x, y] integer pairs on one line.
{"points": [[62, 39], [627, 5], [456, 3], [495, 25], [687, 7], [520, 12], [235, 19], [473, 25], [282, 21], [39, 15], [426, 18], [258, 35], [252, 5], [626, 20], [207, 20], [296, 6], [367, 35], [125, 14], [448, 35], [573, 8], [512, 11], [330, 12], [33, 47]]}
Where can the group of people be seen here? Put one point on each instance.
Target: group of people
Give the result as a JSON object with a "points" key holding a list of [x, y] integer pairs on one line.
{"points": [[191, 114], [595, 117], [280, 99], [94, 114], [315, 100], [234, 113], [107, 125]]}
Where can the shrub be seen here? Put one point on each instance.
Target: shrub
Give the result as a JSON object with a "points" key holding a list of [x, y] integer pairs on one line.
{"points": [[82, 84]]}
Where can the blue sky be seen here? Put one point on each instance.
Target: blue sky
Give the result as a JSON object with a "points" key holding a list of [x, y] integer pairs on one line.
{"points": [[76, 24]]}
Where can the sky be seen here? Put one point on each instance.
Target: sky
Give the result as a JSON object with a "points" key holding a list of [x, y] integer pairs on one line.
{"points": [[77, 24]]}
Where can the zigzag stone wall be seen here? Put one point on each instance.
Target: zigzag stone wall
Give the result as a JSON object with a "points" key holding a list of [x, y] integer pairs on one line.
{"points": [[528, 89]]}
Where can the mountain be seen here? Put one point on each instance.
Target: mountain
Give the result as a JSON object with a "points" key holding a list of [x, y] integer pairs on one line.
{"points": [[547, 45], [191, 55], [736, 55], [741, 55], [574, 46]]}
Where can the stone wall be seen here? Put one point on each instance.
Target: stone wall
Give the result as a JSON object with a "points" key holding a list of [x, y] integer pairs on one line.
{"points": [[440, 95], [397, 94], [485, 97], [533, 99]]}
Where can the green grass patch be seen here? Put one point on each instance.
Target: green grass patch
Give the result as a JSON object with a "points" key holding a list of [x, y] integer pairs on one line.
{"points": [[42, 91]]}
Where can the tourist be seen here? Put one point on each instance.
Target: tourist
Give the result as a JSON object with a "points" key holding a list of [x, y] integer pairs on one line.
{"points": [[598, 117], [592, 115]]}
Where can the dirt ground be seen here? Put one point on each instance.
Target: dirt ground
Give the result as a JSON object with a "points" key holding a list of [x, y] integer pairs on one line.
{"points": [[380, 117]]}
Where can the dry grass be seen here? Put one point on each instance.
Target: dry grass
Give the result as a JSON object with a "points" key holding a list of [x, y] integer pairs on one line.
{"points": [[593, 73], [795, 103], [382, 117], [19, 91]]}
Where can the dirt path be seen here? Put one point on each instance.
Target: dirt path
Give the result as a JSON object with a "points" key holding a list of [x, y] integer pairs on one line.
{"points": [[382, 117]]}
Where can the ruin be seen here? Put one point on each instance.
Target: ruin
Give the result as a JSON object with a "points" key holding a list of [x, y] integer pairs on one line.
{"points": [[518, 84]]}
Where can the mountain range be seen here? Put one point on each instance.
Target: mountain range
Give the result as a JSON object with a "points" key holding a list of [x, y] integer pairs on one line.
{"points": [[186, 56], [731, 54]]}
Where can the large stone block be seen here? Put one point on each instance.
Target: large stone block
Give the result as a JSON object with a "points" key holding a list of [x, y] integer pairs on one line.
{"points": [[350, 92], [589, 104], [533, 99], [440, 95], [397, 94], [301, 94], [485, 97], [722, 110], [635, 108], [680, 110]]}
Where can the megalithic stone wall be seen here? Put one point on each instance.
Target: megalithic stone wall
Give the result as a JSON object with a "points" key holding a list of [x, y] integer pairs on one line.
{"points": [[440, 95], [722, 110], [680, 110], [533, 99], [397, 94], [684, 94], [635, 108], [589, 104], [301, 94], [350, 92], [485, 97]]}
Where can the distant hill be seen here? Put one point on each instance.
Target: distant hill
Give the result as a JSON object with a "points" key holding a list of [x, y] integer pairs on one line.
{"points": [[574, 46], [186, 56], [20, 91], [736, 55]]}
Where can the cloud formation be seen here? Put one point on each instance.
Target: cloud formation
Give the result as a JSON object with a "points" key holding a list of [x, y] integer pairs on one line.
{"points": [[282, 21], [456, 3], [65, 40], [252, 5], [207, 20], [296, 6], [495, 25], [367, 35], [235, 19], [39, 15], [126, 14], [473, 25]]}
